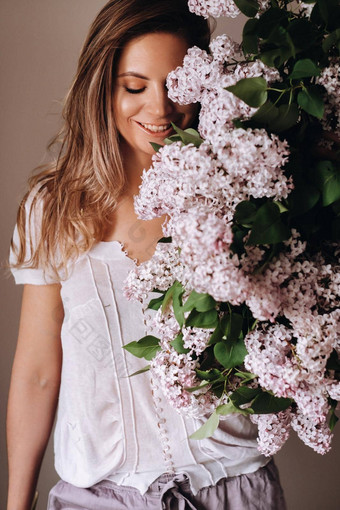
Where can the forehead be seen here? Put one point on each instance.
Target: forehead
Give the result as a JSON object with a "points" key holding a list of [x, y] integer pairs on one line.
{"points": [[153, 54]]}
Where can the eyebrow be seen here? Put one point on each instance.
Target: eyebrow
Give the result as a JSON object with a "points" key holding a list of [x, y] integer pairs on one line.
{"points": [[132, 73]]}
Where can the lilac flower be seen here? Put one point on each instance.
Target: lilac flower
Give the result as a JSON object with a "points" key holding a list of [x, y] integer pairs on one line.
{"points": [[159, 272], [214, 8], [273, 431], [330, 79], [204, 77], [316, 435]]}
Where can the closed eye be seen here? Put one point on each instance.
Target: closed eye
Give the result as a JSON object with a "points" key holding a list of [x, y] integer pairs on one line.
{"points": [[134, 91]]}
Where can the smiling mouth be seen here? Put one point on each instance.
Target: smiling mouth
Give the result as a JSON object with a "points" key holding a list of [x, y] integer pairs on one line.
{"points": [[156, 129]]}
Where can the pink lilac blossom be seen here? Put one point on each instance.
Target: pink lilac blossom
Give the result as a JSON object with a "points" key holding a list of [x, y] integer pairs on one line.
{"points": [[204, 77], [314, 286], [304, 8], [333, 388], [219, 107], [215, 8], [218, 275], [265, 288], [175, 372], [219, 175], [330, 79], [292, 363], [189, 85], [317, 436], [317, 336], [253, 163], [198, 188], [159, 272], [224, 50], [273, 431]]}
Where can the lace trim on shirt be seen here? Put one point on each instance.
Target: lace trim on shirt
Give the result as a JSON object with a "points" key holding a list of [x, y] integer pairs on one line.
{"points": [[161, 424]]}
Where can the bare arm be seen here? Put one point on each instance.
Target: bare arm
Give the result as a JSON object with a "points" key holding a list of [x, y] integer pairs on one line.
{"points": [[34, 390]]}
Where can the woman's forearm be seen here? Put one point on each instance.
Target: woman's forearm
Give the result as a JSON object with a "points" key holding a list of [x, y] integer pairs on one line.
{"points": [[31, 410]]}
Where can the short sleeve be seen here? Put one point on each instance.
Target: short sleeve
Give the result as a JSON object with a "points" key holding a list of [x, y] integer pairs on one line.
{"points": [[24, 274]]}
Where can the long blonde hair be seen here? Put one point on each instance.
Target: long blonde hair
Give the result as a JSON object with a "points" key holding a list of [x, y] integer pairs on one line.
{"points": [[80, 190]]}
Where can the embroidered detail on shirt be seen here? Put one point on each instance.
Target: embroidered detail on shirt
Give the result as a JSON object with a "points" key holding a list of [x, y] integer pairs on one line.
{"points": [[161, 424]]}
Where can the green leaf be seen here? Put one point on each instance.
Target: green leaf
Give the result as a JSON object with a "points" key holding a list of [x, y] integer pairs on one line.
{"points": [[193, 132], [331, 40], [303, 198], [230, 354], [281, 206], [246, 376], [270, 18], [266, 113], [177, 344], [311, 100], [177, 303], [156, 303], [244, 395], [288, 115], [174, 292], [208, 429], [248, 7], [201, 302], [249, 36], [208, 320], [327, 178], [231, 326], [333, 417], [216, 336], [188, 136], [252, 91], [165, 240], [330, 13], [281, 38], [268, 227], [172, 139], [229, 408], [304, 34], [266, 403], [275, 57], [192, 389], [275, 118], [304, 69], [146, 347], [333, 420], [209, 375], [155, 146], [245, 213], [141, 371]]}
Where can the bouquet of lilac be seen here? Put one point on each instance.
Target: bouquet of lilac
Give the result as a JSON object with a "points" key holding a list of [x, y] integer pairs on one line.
{"points": [[246, 279]]}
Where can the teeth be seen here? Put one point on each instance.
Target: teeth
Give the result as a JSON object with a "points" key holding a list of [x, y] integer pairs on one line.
{"points": [[154, 128]]}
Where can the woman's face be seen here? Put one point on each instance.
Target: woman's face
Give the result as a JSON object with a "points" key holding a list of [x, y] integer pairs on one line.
{"points": [[143, 111]]}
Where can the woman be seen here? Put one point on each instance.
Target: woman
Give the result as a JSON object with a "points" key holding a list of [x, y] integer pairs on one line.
{"points": [[117, 443]]}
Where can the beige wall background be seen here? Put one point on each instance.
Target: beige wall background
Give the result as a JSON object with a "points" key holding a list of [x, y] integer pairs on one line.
{"points": [[40, 42]]}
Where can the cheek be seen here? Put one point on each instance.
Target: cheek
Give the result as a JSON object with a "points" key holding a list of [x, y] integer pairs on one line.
{"points": [[125, 107]]}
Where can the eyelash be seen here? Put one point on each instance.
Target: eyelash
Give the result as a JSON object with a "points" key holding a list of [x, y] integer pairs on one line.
{"points": [[134, 91]]}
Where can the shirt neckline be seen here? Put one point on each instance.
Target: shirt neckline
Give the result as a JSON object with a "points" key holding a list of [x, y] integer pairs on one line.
{"points": [[111, 249]]}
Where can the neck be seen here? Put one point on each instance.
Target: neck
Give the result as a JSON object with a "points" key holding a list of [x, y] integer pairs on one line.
{"points": [[134, 164]]}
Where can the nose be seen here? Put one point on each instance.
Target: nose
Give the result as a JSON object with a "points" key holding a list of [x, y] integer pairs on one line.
{"points": [[160, 104]]}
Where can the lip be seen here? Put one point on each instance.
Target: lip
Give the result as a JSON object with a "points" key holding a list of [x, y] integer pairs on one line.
{"points": [[160, 134]]}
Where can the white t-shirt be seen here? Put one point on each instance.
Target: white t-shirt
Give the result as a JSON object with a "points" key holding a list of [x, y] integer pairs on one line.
{"points": [[111, 426]]}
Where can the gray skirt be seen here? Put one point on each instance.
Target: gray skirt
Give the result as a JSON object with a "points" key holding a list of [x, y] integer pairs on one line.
{"points": [[260, 490]]}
